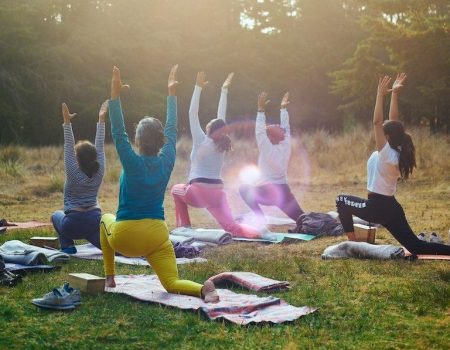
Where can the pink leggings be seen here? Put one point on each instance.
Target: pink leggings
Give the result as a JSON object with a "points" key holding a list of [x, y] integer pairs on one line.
{"points": [[215, 201]]}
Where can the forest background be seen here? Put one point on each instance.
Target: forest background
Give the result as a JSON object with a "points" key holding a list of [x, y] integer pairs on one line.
{"points": [[326, 53]]}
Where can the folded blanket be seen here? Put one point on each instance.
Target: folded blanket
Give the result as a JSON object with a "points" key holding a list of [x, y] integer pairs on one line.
{"points": [[240, 309], [215, 236], [91, 252], [21, 253], [362, 250], [250, 281], [180, 239]]}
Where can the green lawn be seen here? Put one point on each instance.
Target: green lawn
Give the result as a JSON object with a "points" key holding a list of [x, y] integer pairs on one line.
{"points": [[362, 304]]}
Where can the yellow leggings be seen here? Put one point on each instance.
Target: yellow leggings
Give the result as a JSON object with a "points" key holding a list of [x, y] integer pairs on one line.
{"points": [[149, 238]]}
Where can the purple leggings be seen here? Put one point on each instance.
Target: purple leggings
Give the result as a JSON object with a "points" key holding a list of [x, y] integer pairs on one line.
{"points": [[278, 195], [77, 225]]}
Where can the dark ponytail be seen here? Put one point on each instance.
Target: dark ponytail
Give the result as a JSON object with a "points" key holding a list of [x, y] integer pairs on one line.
{"points": [[407, 156], [87, 158], [216, 130], [402, 142]]}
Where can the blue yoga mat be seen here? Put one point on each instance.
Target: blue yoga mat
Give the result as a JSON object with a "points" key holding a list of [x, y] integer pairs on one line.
{"points": [[281, 238]]}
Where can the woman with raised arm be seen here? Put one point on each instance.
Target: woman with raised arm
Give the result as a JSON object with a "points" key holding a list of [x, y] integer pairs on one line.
{"points": [[139, 228], [205, 188], [394, 158], [85, 165], [274, 145]]}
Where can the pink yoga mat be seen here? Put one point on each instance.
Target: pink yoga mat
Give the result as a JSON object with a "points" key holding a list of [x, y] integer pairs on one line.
{"points": [[237, 308], [428, 257], [26, 225]]}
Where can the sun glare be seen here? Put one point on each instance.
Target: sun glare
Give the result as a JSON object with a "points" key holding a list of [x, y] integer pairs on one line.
{"points": [[249, 174]]}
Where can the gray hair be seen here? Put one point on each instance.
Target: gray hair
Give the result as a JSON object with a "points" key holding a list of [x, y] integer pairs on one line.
{"points": [[149, 136]]}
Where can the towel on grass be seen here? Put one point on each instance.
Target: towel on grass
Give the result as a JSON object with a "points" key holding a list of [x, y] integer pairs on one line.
{"points": [[362, 250], [214, 236], [90, 252], [18, 252], [251, 281], [237, 308]]}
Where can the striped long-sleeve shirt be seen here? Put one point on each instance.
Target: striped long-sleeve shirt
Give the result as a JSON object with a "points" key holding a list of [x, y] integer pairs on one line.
{"points": [[80, 191]]}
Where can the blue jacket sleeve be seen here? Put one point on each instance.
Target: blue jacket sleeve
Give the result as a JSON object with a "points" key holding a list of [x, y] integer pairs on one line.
{"points": [[168, 151], [129, 159]]}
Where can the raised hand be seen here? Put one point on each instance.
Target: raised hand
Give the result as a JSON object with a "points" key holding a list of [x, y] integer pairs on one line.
{"points": [[398, 83], [66, 114], [201, 79], [383, 84], [285, 101], [227, 81], [102, 112], [172, 80], [262, 101], [116, 84]]}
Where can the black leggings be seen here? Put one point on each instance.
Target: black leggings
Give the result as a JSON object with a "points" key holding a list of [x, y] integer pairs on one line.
{"points": [[384, 210]]}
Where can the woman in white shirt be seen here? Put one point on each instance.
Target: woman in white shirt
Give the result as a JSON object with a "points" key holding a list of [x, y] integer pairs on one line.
{"points": [[394, 158], [205, 188], [274, 146]]}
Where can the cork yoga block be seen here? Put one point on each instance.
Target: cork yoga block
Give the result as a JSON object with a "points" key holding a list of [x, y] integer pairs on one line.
{"points": [[87, 283], [43, 242], [364, 233]]}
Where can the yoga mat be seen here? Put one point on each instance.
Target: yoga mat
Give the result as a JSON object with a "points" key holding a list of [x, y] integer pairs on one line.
{"points": [[280, 238], [251, 219], [90, 252], [26, 225], [427, 257], [215, 236], [32, 268], [237, 308]]}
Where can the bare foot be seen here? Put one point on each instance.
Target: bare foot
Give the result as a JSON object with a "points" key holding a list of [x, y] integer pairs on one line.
{"points": [[209, 293], [110, 282], [351, 236]]}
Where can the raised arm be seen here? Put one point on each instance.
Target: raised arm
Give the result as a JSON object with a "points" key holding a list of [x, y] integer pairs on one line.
{"points": [[100, 136], [128, 158], [284, 115], [194, 122], [378, 117], [396, 87], [70, 159], [260, 126], [168, 151], [222, 110]]}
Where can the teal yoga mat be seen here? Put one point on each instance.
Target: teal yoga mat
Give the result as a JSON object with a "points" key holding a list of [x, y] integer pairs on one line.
{"points": [[281, 238]]}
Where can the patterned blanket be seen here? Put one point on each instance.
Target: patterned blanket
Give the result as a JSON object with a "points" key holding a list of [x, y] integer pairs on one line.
{"points": [[250, 281], [237, 308]]}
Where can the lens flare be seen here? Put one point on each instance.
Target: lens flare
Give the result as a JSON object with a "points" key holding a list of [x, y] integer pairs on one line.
{"points": [[249, 174]]}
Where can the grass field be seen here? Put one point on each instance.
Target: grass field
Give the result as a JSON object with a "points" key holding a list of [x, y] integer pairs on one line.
{"points": [[363, 304]]}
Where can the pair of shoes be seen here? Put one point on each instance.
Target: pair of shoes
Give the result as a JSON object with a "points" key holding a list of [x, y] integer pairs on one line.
{"points": [[434, 238], [69, 250], [9, 279], [64, 298]]}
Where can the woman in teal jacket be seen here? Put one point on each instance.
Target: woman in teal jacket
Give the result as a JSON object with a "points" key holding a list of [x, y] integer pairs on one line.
{"points": [[139, 228]]}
